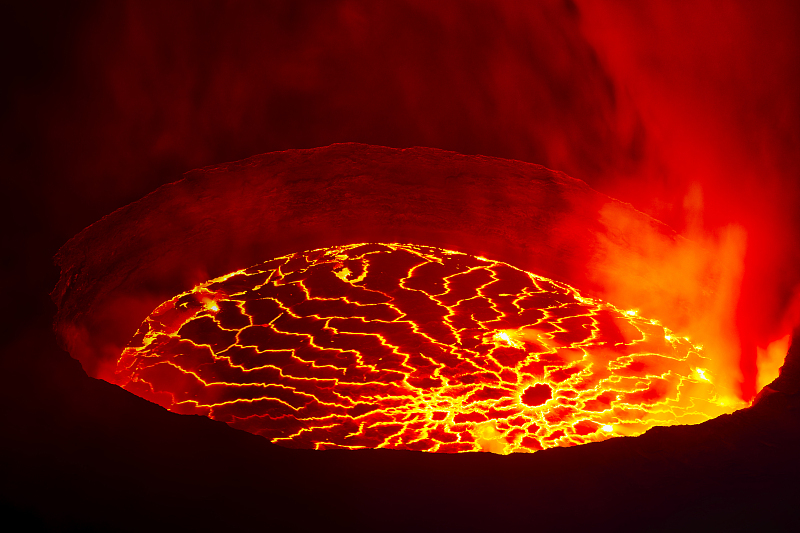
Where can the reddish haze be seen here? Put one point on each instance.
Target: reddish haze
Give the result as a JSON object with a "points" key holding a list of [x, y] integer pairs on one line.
{"points": [[690, 113], [715, 85]]}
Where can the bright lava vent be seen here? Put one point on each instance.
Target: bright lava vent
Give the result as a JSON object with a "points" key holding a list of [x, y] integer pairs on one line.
{"points": [[416, 348]]}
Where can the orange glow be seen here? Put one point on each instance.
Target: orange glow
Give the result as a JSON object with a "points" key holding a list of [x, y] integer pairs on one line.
{"points": [[701, 374], [411, 347], [210, 304], [770, 360], [691, 285]]}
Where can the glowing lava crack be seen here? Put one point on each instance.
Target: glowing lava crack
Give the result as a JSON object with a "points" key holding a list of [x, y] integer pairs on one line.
{"points": [[411, 347]]}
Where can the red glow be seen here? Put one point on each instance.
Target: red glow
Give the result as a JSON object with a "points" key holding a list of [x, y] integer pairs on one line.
{"points": [[714, 85]]}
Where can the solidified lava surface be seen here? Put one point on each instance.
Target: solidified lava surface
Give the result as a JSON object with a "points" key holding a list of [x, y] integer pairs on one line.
{"points": [[417, 348]]}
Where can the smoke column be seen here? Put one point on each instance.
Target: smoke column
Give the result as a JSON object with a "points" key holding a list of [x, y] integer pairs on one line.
{"points": [[715, 87]]}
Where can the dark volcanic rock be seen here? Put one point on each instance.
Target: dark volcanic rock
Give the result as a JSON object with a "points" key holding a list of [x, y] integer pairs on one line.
{"points": [[97, 458], [223, 218]]}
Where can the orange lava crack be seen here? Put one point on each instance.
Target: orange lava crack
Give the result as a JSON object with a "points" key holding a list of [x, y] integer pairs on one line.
{"points": [[411, 347]]}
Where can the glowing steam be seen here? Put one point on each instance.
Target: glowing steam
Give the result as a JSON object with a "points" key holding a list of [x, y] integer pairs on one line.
{"points": [[712, 87], [691, 286], [770, 360]]}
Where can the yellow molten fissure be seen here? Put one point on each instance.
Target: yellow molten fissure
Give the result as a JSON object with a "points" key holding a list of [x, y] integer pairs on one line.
{"points": [[412, 347]]}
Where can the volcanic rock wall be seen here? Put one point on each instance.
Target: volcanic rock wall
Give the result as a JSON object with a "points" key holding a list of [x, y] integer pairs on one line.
{"points": [[231, 216]]}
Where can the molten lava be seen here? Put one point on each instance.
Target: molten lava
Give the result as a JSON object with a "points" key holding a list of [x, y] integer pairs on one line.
{"points": [[417, 348]]}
